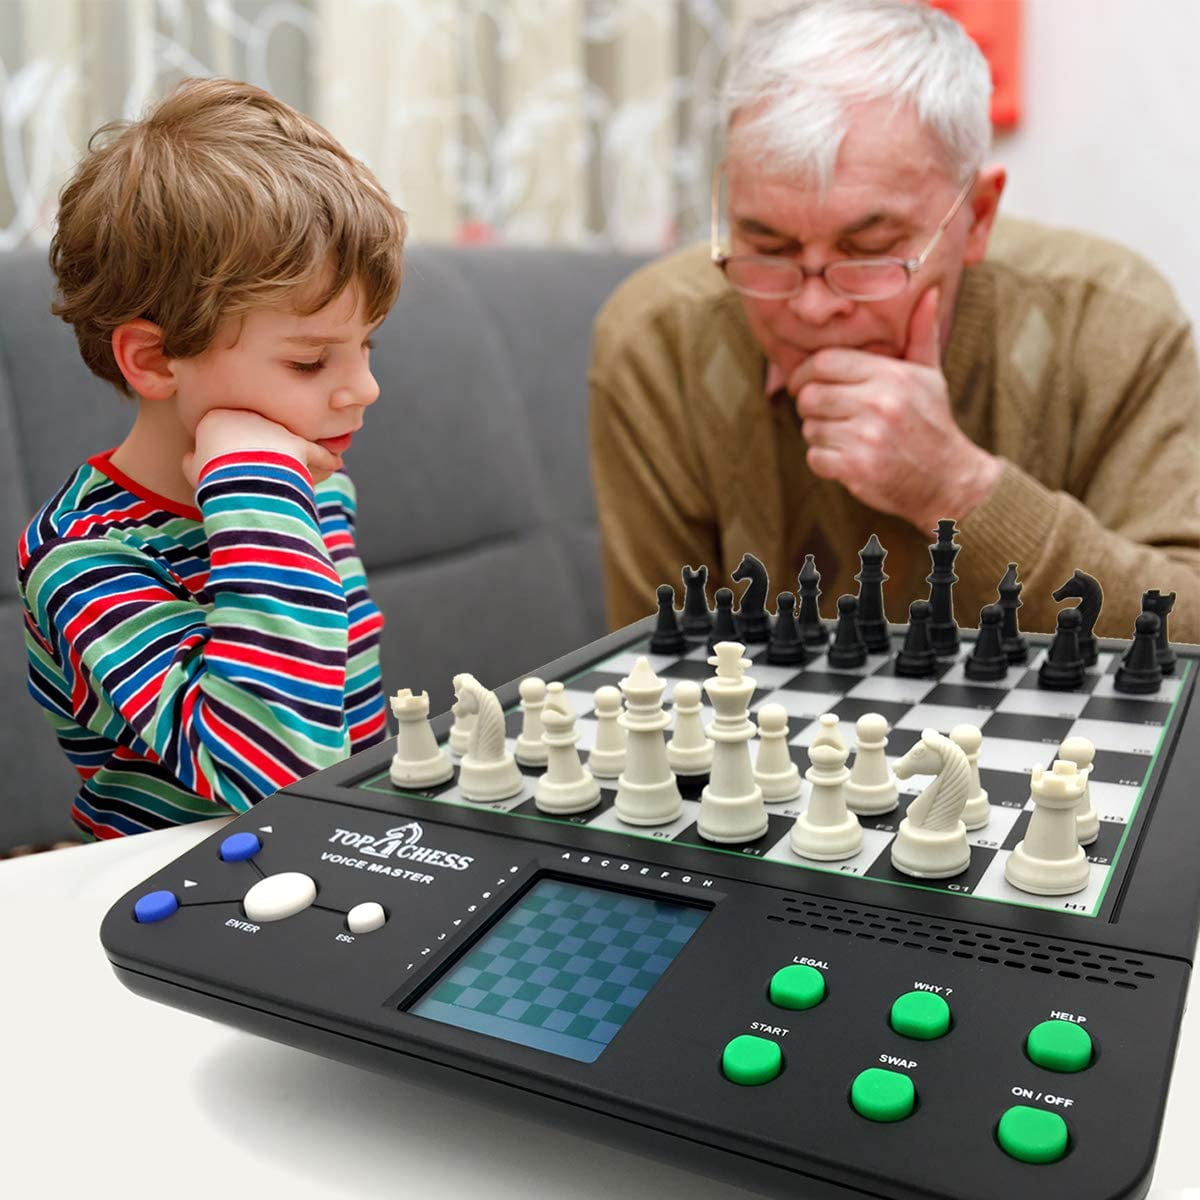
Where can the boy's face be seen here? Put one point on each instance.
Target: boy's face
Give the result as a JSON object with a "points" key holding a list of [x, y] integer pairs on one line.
{"points": [[310, 374]]}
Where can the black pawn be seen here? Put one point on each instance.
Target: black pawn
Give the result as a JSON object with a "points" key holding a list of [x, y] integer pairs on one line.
{"points": [[848, 649], [943, 631], [1016, 649], [697, 620], [1062, 670], [872, 621], [724, 627], [916, 658], [812, 631], [785, 647], [1139, 673], [667, 637], [1161, 606], [987, 659]]}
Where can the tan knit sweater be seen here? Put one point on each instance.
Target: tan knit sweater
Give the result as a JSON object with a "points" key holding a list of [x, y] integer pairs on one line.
{"points": [[1069, 358]]}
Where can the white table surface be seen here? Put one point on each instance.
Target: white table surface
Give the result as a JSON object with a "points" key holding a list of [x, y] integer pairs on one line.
{"points": [[105, 1093]]}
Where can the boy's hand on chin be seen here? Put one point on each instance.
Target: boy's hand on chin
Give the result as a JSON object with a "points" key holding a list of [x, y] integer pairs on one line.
{"points": [[226, 430]]}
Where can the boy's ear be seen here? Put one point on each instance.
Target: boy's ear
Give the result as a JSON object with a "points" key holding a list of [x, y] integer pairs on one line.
{"points": [[137, 348]]}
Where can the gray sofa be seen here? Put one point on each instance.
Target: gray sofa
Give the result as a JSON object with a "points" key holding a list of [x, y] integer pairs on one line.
{"points": [[476, 519]]}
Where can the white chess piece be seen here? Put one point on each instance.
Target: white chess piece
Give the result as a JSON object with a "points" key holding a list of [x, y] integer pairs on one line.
{"points": [[556, 697], [606, 760], [774, 770], [827, 830], [567, 786], [1049, 861], [731, 805], [872, 787], [530, 750], [1082, 753], [647, 793], [464, 723], [977, 811], [419, 761], [690, 751], [487, 771], [931, 842]]}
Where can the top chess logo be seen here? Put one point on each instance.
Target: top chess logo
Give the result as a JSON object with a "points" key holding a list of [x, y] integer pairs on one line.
{"points": [[403, 841]]}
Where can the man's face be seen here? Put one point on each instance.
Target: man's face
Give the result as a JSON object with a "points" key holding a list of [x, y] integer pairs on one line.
{"points": [[889, 191], [310, 374]]}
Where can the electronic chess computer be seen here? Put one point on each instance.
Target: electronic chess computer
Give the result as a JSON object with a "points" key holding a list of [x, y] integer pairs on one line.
{"points": [[799, 1022]]}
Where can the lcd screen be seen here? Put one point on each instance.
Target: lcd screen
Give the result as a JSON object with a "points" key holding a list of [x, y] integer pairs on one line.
{"points": [[563, 969]]}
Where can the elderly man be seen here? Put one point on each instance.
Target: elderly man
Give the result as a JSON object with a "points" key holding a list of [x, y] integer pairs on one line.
{"points": [[875, 351]]}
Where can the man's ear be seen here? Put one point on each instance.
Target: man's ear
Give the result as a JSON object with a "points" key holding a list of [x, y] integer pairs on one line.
{"points": [[137, 347], [984, 202]]}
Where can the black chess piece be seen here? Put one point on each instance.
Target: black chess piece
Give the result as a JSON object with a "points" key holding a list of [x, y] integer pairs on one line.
{"points": [[812, 629], [724, 627], [987, 660], [785, 647], [752, 621], [1091, 599], [1161, 605], [1062, 669], [667, 637], [916, 658], [848, 649], [697, 620], [943, 631], [872, 621], [1139, 673], [1016, 648]]}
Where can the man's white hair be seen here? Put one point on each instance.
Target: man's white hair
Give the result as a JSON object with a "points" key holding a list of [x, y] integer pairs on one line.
{"points": [[795, 73]]}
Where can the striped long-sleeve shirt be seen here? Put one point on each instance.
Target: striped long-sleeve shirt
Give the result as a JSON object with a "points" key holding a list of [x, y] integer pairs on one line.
{"points": [[194, 660]]}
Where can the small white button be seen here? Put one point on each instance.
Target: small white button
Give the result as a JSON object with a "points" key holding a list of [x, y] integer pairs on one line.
{"points": [[366, 917], [279, 896]]}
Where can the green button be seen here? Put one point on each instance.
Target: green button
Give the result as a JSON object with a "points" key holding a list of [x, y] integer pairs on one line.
{"points": [[923, 1015], [1059, 1046], [1032, 1135], [797, 986], [881, 1095], [751, 1060]]}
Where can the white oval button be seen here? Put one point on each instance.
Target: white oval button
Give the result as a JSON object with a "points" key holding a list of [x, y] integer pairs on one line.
{"points": [[279, 896], [366, 917]]}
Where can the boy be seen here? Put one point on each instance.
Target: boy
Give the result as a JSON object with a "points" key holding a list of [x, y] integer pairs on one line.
{"points": [[197, 620]]}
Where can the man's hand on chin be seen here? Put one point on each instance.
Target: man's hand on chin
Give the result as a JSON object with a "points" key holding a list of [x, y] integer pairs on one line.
{"points": [[883, 428]]}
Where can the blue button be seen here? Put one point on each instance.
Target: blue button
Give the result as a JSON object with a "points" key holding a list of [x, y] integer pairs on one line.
{"points": [[155, 906], [238, 847]]}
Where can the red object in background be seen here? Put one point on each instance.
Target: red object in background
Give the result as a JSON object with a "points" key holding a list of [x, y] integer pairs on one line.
{"points": [[995, 27]]}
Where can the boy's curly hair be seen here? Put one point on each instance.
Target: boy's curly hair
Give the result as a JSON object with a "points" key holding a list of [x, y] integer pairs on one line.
{"points": [[223, 199]]}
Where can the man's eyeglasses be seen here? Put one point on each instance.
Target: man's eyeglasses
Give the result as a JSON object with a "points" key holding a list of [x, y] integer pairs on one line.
{"points": [[770, 278]]}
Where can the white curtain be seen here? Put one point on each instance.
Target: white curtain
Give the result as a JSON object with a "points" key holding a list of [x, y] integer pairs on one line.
{"points": [[548, 121]]}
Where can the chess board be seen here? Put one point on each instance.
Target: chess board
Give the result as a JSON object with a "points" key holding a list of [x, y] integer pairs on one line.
{"points": [[1022, 726]]}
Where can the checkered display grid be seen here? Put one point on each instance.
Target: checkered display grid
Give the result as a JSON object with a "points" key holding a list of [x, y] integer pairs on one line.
{"points": [[1022, 726], [564, 968]]}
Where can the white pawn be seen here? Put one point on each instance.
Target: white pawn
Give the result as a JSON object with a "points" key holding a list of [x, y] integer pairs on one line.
{"points": [[567, 786], [774, 770], [1049, 861], [647, 793], [530, 750], [419, 761], [826, 830], [872, 787], [487, 771], [690, 751], [977, 811], [606, 759], [464, 723], [1082, 753], [731, 805]]}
